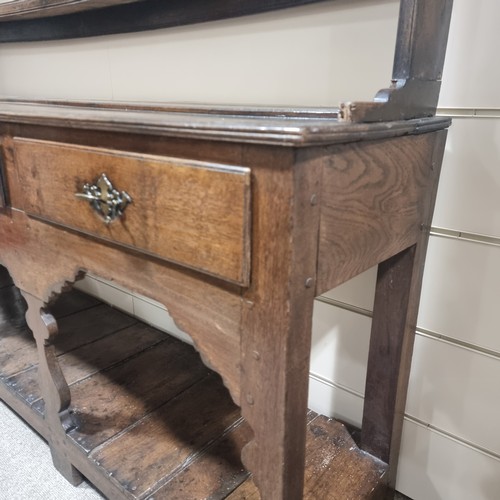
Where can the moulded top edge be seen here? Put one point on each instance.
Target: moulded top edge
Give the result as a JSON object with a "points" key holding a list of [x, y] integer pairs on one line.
{"points": [[286, 126]]}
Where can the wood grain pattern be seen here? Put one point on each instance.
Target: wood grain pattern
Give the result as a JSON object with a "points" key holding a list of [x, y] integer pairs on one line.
{"points": [[397, 298], [372, 201], [193, 438], [277, 319], [110, 401], [165, 438], [214, 474], [335, 468], [86, 359], [192, 213], [28, 9], [319, 216], [204, 309]]}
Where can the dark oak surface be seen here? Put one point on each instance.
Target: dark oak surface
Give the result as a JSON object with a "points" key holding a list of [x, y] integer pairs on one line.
{"points": [[150, 395], [333, 192], [128, 16], [27, 9], [319, 215], [302, 127], [193, 213]]}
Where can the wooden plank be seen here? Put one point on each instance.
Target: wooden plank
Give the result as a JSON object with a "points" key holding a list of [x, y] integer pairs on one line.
{"points": [[71, 303], [109, 401], [333, 459], [28, 9], [168, 437], [17, 346], [214, 474], [87, 326], [336, 468], [136, 16], [18, 349], [301, 127], [89, 359], [196, 214], [371, 205]]}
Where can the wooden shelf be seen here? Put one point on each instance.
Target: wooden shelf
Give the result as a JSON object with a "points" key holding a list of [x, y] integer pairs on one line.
{"points": [[151, 420]]}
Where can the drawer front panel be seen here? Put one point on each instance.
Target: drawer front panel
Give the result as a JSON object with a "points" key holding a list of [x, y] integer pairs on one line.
{"points": [[192, 213]]}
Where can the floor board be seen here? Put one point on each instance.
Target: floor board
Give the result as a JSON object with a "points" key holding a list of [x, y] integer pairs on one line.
{"points": [[151, 420]]}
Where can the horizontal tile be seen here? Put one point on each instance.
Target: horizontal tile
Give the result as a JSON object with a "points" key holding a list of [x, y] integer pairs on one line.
{"points": [[358, 291], [468, 197], [434, 467], [326, 399], [105, 291], [158, 317], [340, 342], [456, 390], [473, 38], [461, 291]]}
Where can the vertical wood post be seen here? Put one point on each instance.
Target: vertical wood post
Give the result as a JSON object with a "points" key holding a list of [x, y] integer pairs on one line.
{"points": [[277, 317], [418, 65], [397, 298], [53, 385]]}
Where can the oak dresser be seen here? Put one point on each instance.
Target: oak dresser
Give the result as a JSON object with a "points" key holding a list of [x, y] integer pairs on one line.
{"points": [[235, 219]]}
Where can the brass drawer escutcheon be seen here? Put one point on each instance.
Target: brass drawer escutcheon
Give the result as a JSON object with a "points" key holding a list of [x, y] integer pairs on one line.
{"points": [[107, 201]]}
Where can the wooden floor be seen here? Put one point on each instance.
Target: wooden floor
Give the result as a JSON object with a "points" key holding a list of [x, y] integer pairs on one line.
{"points": [[151, 419]]}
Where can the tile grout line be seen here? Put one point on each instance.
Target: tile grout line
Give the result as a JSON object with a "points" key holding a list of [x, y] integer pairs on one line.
{"points": [[453, 437], [423, 332], [465, 236]]}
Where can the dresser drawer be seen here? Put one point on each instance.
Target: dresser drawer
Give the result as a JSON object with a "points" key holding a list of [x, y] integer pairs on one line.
{"points": [[192, 213]]}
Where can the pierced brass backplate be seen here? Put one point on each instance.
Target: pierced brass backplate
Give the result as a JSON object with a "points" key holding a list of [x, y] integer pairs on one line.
{"points": [[107, 201]]}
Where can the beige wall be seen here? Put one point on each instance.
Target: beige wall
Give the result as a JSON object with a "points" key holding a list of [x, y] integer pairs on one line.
{"points": [[319, 55]]}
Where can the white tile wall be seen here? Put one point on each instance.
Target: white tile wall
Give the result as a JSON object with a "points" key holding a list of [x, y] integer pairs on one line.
{"points": [[149, 311], [449, 386], [461, 291], [340, 344], [468, 197], [471, 74], [434, 466], [328, 399], [359, 291]]}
